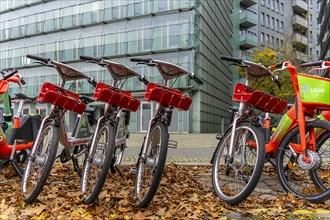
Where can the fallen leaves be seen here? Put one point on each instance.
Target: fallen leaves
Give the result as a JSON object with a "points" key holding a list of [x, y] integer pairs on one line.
{"points": [[185, 192]]}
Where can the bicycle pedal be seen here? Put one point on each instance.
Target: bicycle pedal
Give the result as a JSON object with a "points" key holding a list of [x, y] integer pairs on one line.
{"points": [[133, 171], [172, 144], [219, 136]]}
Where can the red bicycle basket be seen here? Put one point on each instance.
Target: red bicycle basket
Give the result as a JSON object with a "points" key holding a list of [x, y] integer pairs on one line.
{"points": [[116, 97], [167, 96], [62, 98], [261, 100]]}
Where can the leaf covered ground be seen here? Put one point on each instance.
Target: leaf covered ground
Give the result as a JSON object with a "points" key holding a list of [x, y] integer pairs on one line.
{"points": [[185, 193]]}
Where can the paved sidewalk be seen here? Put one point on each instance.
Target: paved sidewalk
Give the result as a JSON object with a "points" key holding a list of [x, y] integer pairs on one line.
{"points": [[192, 148], [197, 149]]}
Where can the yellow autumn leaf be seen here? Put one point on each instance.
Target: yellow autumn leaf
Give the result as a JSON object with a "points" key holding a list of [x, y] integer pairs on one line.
{"points": [[302, 212]]}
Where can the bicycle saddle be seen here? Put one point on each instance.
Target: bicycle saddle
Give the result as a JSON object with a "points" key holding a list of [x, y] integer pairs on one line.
{"points": [[86, 99], [25, 97]]}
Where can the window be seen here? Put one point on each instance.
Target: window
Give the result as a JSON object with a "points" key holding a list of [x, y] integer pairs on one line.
{"points": [[282, 8], [90, 13], [262, 18], [272, 23], [33, 24], [262, 2], [311, 19], [277, 6], [267, 39], [267, 21], [272, 41], [262, 38], [310, 36]]}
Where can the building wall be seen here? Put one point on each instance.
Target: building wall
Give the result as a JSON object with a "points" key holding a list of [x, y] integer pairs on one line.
{"points": [[278, 26], [214, 31]]}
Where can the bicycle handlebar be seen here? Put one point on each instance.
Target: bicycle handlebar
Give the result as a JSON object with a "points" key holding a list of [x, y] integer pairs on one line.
{"points": [[278, 65], [316, 63], [42, 59], [92, 81], [22, 81], [232, 59], [87, 58], [7, 75], [143, 79], [144, 60], [197, 80]]}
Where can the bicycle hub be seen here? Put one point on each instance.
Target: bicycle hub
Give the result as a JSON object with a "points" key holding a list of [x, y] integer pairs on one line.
{"points": [[315, 161]]}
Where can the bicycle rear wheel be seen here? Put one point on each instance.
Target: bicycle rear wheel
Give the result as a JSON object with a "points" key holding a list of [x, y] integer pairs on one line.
{"points": [[150, 167], [98, 163], [306, 180], [40, 163], [234, 178]]}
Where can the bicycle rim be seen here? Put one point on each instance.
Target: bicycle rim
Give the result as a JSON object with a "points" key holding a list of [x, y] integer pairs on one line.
{"points": [[151, 166], [234, 179], [98, 163], [39, 166], [302, 182]]}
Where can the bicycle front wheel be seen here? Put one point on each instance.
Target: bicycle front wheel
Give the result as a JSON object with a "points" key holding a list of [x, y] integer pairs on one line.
{"points": [[307, 180], [98, 163], [150, 166], [235, 177], [40, 163]]}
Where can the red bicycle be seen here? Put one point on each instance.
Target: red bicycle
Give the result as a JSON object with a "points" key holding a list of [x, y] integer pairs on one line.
{"points": [[53, 130], [22, 132], [297, 144], [153, 153], [108, 144]]}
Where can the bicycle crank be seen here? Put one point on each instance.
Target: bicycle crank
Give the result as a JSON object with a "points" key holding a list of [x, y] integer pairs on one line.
{"points": [[315, 161]]}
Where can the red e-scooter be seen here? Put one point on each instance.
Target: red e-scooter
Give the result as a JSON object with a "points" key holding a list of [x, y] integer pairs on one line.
{"points": [[17, 136]]}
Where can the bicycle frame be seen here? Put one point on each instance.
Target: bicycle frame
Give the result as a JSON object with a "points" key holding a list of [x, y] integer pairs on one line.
{"points": [[297, 115]]}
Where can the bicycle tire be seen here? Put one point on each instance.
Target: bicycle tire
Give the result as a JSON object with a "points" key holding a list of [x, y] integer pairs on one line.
{"points": [[151, 168], [292, 177], [227, 174], [40, 159], [99, 160], [323, 148]]}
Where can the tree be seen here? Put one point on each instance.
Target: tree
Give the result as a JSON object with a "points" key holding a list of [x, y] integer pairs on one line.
{"points": [[269, 57]]}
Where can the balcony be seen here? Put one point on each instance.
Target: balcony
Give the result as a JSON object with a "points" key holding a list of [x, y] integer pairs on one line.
{"points": [[248, 19], [299, 40], [299, 23], [248, 3], [299, 6], [247, 41], [300, 56]]}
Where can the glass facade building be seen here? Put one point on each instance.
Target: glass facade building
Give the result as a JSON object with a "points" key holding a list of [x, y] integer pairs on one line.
{"points": [[190, 33]]}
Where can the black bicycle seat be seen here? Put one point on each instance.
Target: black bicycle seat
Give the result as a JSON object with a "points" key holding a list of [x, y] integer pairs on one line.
{"points": [[25, 97], [86, 99]]}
